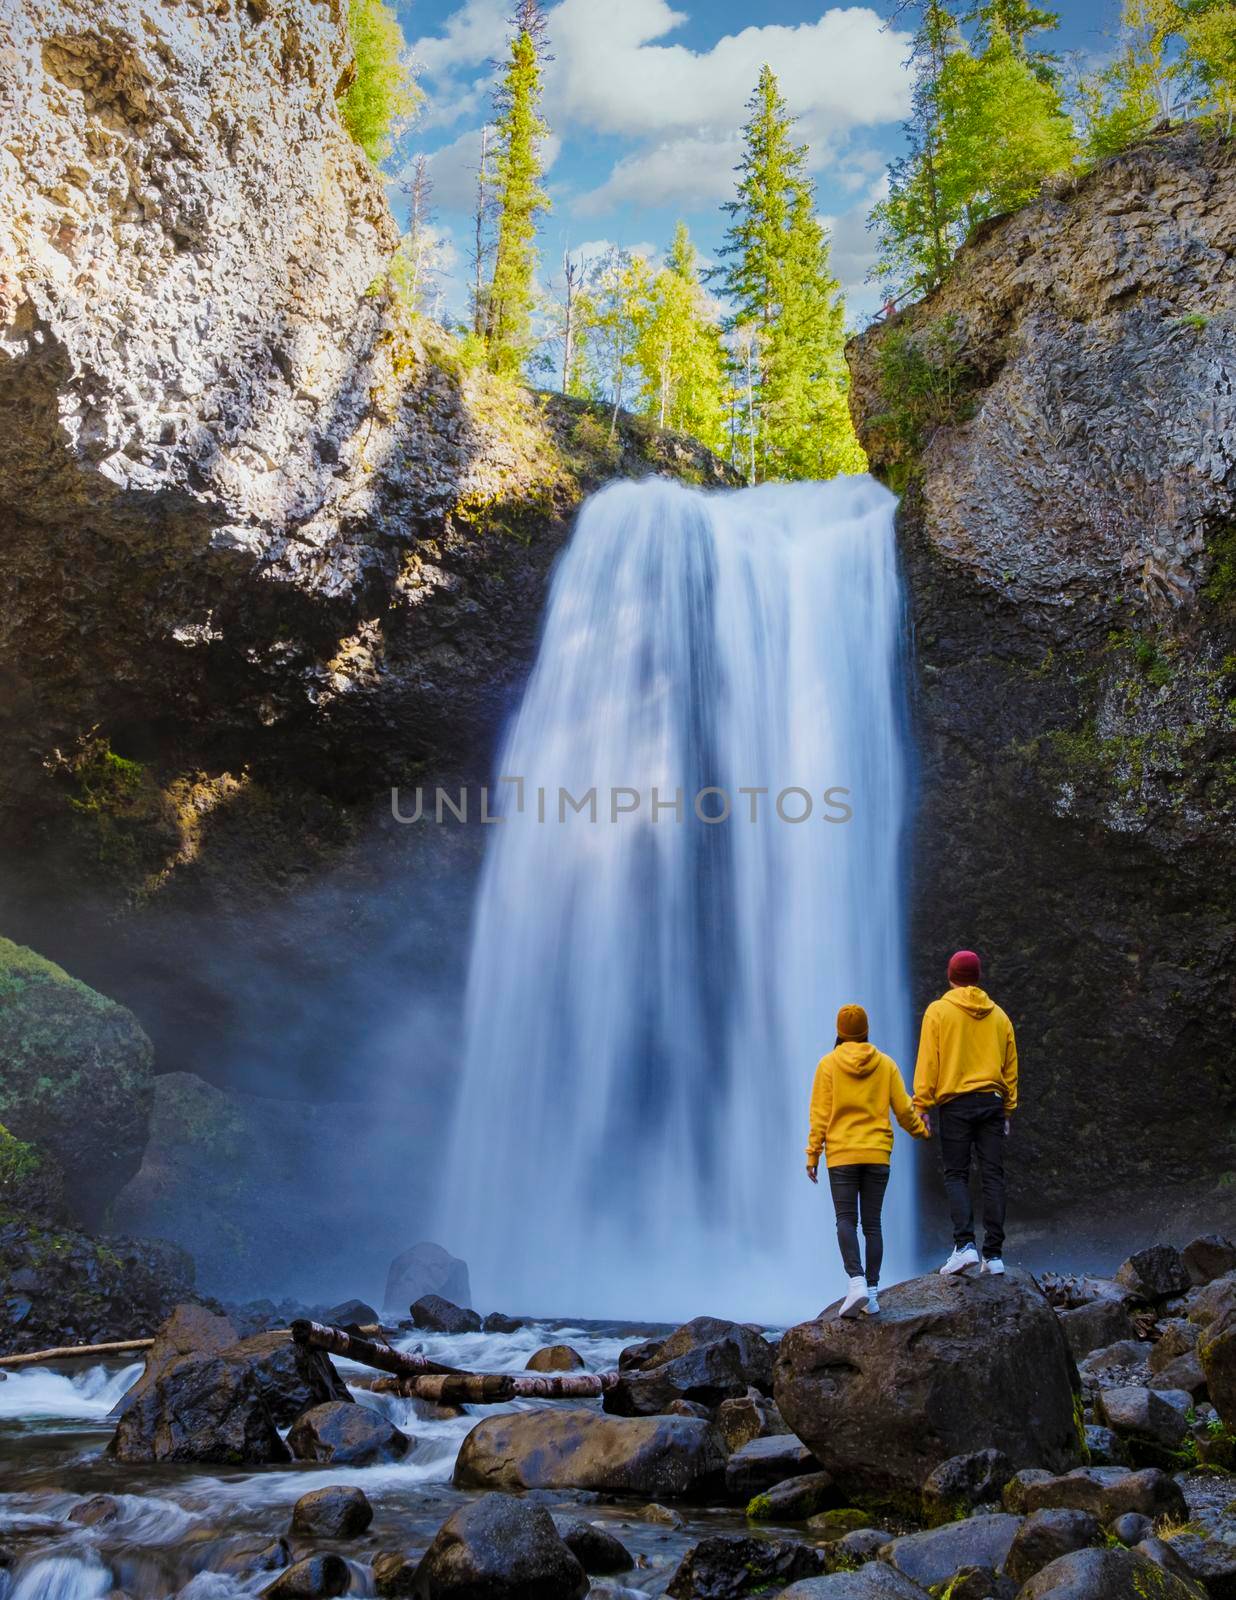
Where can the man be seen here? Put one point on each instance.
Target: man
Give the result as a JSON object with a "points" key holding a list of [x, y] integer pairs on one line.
{"points": [[965, 1082]]}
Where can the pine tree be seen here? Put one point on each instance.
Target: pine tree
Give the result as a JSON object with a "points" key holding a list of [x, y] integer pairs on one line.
{"points": [[1019, 19], [520, 129], [776, 277]]}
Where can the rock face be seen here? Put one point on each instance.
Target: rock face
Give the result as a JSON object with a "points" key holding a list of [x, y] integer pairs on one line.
{"points": [[951, 1367], [77, 1080], [675, 1457], [1067, 539]]}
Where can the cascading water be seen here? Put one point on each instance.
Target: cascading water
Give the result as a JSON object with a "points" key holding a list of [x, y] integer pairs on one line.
{"points": [[649, 992]]}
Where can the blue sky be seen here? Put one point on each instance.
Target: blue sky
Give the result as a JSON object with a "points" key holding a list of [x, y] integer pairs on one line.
{"points": [[645, 100]]}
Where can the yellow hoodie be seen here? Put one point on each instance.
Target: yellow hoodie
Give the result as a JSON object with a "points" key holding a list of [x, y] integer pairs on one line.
{"points": [[966, 1044], [854, 1087]]}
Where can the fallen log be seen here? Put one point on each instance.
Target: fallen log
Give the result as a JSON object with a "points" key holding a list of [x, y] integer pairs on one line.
{"points": [[63, 1352], [355, 1347], [493, 1388]]}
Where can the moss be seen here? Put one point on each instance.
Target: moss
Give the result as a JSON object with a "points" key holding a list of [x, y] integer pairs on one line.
{"points": [[19, 1161], [1220, 585], [20, 968], [924, 383], [759, 1508]]}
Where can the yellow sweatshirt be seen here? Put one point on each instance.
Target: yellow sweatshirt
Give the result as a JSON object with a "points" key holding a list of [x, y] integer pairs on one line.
{"points": [[966, 1044], [854, 1087]]}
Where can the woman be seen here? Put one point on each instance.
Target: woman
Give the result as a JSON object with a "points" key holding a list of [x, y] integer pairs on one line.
{"points": [[855, 1086]]}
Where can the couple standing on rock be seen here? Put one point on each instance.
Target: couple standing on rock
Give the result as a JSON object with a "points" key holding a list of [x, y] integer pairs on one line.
{"points": [[965, 1078]]}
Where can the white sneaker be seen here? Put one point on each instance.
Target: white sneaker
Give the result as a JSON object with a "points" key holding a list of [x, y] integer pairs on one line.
{"points": [[872, 1308], [994, 1267], [855, 1299], [962, 1262]]}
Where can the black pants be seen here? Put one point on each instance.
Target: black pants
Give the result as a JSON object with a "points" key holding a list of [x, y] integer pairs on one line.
{"points": [[974, 1123], [863, 1183]]}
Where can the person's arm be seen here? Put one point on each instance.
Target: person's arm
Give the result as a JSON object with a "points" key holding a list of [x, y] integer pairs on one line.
{"points": [[927, 1067], [903, 1106], [821, 1111], [1010, 1075]]}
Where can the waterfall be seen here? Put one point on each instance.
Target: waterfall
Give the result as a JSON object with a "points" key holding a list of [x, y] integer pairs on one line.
{"points": [[649, 992]]}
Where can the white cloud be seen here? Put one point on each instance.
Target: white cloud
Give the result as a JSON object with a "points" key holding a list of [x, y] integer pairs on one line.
{"points": [[696, 169]]}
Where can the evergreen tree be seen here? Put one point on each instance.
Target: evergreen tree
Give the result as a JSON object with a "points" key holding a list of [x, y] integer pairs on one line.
{"points": [[520, 129], [1019, 19], [1208, 35], [775, 274]]}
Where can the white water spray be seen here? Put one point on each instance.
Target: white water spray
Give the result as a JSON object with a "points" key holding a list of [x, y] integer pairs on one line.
{"points": [[649, 992]]}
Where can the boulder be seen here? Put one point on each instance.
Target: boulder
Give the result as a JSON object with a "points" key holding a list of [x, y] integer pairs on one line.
{"points": [[708, 1360], [1185, 1373], [78, 1079], [873, 1582], [1106, 1575], [394, 1574], [31, 1180], [933, 1557], [1105, 1446], [346, 1435], [427, 1269], [749, 1416], [596, 1550], [499, 1548], [860, 1544], [979, 1583], [1013, 1495], [202, 1407], [1131, 1528], [688, 1408], [435, 1314], [794, 1499], [95, 1511], [762, 1462], [191, 1329], [1046, 1535], [1152, 1422], [339, 1512], [1215, 1302], [1208, 1257], [1177, 1337], [576, 1448], [555, 1358], [959, 1484], [1108, 1492], [292, 1377], [1212, 1560], [1217, 1349], [950, 1367], [1116, 1365], [316, 1578], [663, 1516], [1166, 1556], [1090, 1327], [729, 1566], [839, 1521], [249, 1559], [350, 1314], [1156, 1273], [499, 1322]]}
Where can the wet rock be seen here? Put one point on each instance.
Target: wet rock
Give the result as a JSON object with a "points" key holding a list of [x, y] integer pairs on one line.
{"points": [[1132, 1528], [959, 1484], [1045, 1535], [860, 1544], [346, 1434], [729, 1567], [596, 1550], [662, 1516], [497, 1322], [394, 1574], [1208, 1257], [1156, 1273], [1106, 1575], [203, 1407], [1105, 1446], [688, 1408], [933, 1557], [292, 1376], [501, 1548], [746, 1417], [835, 1524], [575, 1448], [191, 1329], [763, 1462], [631, 1357], [96, 1511], [247, 1560], [873, 1582], [1152, 1422], [1212, 1560], [312, 1579], [350, 1314], [948, 1368], [708, 1360], [338, 1512], [435, 1314], [1108, 1492], [555, 1358], [31, 1180], [1090, 1327], [428, 1269], [794, 1499]]}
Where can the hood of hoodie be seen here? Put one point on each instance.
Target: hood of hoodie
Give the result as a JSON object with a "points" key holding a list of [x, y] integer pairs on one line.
{"points": [[859, 1060], [971, 1000]]}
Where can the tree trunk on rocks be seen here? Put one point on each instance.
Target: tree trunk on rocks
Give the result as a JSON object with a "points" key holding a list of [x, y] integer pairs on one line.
{"points": [[354, 1347]]}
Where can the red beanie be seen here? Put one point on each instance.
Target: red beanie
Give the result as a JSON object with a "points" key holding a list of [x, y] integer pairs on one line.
{"points": [[965, 967]]}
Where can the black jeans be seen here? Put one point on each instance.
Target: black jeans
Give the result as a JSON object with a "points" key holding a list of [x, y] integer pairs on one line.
{"points": [[974, 1123], [863, 1183]]}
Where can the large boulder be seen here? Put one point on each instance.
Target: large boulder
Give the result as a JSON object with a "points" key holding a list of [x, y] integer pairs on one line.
{"points": [[950, 1367], [729, 1566], [596, 1550], [574, 1448], [708, 1360], [1107, 1575], [555, 1358], [202, 1407], [963, 1482], [1101, 1322], [1046, 1535], [1152, 1422], [346, 1435], [1217, 1351], [338, 1512], [763, 1462], [319, 1577], [425, 1269], [1155, 1273], [795, 1499], [499, 1548], [191, 1329], [1108, 1492], [78, 1078], [293, 1377], [933, 1557], [435, 1314], [31, 1180], [1208, 1257]]}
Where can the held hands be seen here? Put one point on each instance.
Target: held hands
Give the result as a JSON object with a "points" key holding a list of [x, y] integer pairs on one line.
{"points": [[926, 1116], [813, 1171]]}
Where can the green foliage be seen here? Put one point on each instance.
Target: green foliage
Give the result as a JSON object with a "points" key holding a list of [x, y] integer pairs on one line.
{"points": [[1220, 585], [383, 93], [925, 383], [678, 350], [510, 297]]}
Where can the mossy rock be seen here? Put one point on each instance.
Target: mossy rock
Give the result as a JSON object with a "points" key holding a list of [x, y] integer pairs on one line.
{"points": [[30, 1179], [77, 1078]]}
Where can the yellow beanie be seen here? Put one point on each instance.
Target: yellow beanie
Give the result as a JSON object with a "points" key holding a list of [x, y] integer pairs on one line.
{"points": [[852, 1023]]}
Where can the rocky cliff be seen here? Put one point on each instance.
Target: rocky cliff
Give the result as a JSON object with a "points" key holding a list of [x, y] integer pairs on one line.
{"points": [[269, 543], [1062, 418]]}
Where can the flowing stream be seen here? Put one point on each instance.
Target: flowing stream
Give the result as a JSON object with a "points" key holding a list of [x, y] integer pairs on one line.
{"points": [[649, 991]]}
